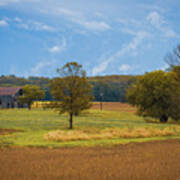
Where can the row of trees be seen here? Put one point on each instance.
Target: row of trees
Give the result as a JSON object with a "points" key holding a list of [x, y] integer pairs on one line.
{"points": [[112, 87]]}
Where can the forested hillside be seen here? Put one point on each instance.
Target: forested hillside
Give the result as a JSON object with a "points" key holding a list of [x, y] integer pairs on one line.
{"points": [[105, 88]]}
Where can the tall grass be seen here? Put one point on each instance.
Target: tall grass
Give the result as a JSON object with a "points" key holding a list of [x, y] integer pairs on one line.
{"points": [[110, 133]]}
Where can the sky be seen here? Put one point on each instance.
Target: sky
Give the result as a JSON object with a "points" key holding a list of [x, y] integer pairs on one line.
{"points": [[123, 37]]}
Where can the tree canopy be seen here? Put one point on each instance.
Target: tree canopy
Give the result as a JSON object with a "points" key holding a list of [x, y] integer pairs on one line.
{"points": [[72, 90], [31, 93], [157, 94]]}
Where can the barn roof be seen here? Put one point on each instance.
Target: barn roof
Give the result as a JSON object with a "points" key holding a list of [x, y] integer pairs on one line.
{"points": [[9, 90]]}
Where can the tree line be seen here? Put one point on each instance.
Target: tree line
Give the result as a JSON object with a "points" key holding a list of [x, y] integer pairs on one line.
{"points": [[104, 88]]}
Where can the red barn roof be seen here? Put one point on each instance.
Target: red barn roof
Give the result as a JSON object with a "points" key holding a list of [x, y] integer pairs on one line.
{"points": [[9, 91]]}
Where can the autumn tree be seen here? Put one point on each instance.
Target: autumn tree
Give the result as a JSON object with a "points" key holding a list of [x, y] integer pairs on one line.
{"points": [[31, 93], [72, 90], [156, 94]]}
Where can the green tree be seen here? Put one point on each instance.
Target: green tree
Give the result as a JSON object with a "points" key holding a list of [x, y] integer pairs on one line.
{"points": [[175, 93], [31, 93], [156, 94], [72, 90]]}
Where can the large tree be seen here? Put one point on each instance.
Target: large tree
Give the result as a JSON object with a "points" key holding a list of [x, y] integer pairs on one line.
{"points": [[31, 93], [71, 90], [156, 94]]}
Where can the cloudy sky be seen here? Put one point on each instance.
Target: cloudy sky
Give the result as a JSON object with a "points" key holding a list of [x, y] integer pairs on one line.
{"points": [[105, 36]]}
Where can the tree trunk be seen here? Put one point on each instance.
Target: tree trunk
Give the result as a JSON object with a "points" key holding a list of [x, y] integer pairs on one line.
{"points": [[71, 121], [29, 106], [164, 119]]}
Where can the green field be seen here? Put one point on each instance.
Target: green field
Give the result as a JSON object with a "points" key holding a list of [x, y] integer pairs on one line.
{"points": [[35, 124]]}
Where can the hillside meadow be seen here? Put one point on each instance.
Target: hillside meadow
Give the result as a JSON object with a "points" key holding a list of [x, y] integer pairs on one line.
{"points": [[116, 124]]}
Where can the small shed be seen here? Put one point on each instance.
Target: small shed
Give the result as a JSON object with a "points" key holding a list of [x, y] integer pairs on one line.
{"points": [[9, 97]]}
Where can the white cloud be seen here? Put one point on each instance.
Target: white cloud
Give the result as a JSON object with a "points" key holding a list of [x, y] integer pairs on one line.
{"points": [[42, 68], [58, 48], [78, 18], [94, 25], [3, 23], [17, 19], [125, 67], [159, 23], [100, 68], [164, 67], [136, 41], [54, 49], [155, 19], [36, 26]]}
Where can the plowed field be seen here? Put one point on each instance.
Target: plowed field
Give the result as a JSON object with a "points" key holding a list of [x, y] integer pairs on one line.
{"points": [[135, 161], [114, 106]]}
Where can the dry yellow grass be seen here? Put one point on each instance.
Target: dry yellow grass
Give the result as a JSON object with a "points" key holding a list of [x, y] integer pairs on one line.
{"points": [[158, 160], [40, 104], [110, 133]]}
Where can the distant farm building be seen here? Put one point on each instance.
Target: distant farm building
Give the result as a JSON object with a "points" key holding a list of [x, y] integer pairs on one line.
{"points": [[9, 97]]}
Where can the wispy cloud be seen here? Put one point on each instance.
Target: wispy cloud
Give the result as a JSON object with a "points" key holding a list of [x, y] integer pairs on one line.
{"points": [[128, 68], [94, 25], [3, 23], [151, 7], [43, 68], [159, 23], [155, 19], [35, 26], [78, 18], [58, 48], [136, 41]]}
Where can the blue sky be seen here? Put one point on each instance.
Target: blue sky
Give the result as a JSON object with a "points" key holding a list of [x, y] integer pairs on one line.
{"points": [[105, 36]]}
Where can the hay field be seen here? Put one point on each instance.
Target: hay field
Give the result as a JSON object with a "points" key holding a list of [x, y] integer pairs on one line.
{"points": [[135, 161]]}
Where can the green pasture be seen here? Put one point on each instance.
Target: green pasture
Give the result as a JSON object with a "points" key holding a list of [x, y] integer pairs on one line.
{"points": [[35, 124]]}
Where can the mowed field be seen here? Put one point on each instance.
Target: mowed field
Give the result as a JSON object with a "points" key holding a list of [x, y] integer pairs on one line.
{"points": [[113, 143]]}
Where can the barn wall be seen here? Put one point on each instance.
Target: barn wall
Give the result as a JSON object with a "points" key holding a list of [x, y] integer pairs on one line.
{"points": [[8, 102]]}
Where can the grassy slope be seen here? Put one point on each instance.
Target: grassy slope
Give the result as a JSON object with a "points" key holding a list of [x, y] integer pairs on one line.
{"points": [[36, 123]]}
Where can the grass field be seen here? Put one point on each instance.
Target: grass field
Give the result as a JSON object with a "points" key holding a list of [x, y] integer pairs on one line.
{"points": [[33, 127]]}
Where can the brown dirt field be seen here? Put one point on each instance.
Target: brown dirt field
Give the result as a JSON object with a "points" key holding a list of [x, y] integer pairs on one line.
{"points": [[159, 160], [8, 131], [115, 106]]}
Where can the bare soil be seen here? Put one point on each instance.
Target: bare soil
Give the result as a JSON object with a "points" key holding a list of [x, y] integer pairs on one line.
{"points": [[114, 106], [159, 160], [8, 131]]}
